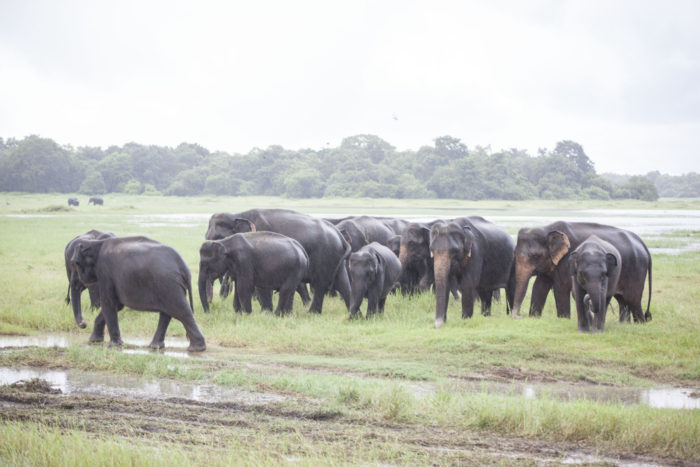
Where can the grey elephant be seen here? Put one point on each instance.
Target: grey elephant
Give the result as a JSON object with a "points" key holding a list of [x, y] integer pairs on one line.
{"points": [[263, 260], [373, 270], [475, 254], [595, 270], [142, 274], [75, 287], [363, 230]]}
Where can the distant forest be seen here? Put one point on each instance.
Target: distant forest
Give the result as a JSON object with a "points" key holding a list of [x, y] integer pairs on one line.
{"points": [[362, 166]]}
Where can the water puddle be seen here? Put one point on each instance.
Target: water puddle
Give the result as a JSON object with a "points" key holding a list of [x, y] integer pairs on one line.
{"points": [[664, 398], [63, 341], [35, 341], [78, 382]]}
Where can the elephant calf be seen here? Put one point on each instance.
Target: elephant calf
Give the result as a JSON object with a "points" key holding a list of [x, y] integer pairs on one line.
{"points": [[595, 269], [263, 260], [142, 274], [374, 269]]}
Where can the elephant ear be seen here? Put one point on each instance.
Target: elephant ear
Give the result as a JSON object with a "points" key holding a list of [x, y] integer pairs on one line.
{"points": [[558, 245], [468, 241], [394, 244], [573, 263], [611, 262], [241, 225]]}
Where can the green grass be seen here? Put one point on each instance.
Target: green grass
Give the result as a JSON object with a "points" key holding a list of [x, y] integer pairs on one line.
{"points": [[399, 346]]}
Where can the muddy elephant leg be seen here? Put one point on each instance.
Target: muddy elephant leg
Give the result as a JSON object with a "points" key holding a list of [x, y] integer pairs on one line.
{"points": [[485, 297], [540, 290], [98, 329], [158, 341], [265, 298]]}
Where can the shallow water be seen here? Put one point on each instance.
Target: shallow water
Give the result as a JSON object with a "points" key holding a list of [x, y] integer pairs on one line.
{"points": [[63, 341], [78, 382]]}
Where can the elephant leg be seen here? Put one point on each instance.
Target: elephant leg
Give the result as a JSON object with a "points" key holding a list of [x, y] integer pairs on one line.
{"points": [[510, 291], [109, 311], [485, 297], [624, 309], [98, 329], [303, 292], [244, 292], [94, 293], [317, 302], [562, 299], [158, 341], [237, 307], [372, 300], [382, 302], [454, 287], [265, 298], [194, 335], [540, 290], [467, 303], [284, 302]]}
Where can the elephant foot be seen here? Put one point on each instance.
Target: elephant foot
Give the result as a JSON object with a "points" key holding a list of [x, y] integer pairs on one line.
{"points": [[584, 330], [355, 315], [118, 343], [157, 345], [439, 323], [197, 347], [82, 325], [95, 339], [313, 310]]}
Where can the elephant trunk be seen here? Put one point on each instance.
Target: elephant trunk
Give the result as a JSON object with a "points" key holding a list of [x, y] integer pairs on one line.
{"points": [[598, 301], [205, 288], [523, 272], [442, 287], [75, 292], [358, 289]]}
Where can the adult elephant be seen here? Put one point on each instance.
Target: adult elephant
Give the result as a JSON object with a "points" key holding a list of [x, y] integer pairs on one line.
{"points": [[326, 247], [73, 202], [544, 252], [142, 274], [478, 256], [96, 200], [414, 254], [75, 286], [363, 230], [266, 260]]}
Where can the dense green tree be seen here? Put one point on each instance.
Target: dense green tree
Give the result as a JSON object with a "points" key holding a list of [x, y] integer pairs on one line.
{"points": [[638, 187], [93, 184]]}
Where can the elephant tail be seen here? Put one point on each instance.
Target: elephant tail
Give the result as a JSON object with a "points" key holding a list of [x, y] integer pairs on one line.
{"points": [[188, 284], [647, 315], [341, 263], [68, 294]]}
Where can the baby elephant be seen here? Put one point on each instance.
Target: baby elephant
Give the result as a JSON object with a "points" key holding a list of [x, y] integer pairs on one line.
{"points": [[374, 269], [264, 260], [595, 270], [142, 274]]}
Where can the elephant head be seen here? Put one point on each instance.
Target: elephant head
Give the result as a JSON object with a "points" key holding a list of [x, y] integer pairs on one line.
{"points": [[363, 266], [451, 248], [222, 225], [537, 251], [593, 268], [83, 262], [414, 254], [213, 265]]}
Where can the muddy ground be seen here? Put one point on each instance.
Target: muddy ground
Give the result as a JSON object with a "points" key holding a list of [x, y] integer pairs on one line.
{"points": [[292, 426]]}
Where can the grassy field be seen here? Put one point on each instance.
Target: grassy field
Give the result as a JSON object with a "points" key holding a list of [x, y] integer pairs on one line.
{"points": [[360, 376]]}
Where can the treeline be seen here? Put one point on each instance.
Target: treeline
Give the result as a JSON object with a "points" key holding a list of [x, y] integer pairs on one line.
{"points": [[362, 166]]}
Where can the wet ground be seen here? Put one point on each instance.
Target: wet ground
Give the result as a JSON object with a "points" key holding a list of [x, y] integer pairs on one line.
{"points": [[149, 407]]}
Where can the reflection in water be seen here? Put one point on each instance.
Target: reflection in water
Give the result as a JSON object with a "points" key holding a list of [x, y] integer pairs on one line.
{"points": [[50, 340], [133, 386]]}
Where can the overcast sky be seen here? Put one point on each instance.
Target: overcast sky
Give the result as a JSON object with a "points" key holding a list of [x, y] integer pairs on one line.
{"points": [[622, 78]]}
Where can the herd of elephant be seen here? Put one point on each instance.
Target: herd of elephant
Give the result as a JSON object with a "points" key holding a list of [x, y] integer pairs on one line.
{"points": [[260, 251]]}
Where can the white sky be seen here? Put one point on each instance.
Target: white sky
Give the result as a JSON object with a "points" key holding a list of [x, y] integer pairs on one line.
{"points": [[622, 78]]}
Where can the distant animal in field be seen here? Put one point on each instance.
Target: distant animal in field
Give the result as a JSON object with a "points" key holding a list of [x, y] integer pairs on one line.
{"points": [[96, 200], [73, 202]]}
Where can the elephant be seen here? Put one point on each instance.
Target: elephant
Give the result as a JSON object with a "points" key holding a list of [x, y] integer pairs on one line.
{"points": [[142, 274], [478, 255], [374, 270], [96, 200], [266, 260], [414, 254], [595, 270], [325, 246], [544, 252], [363, 230], [75, 287], [73, 202]]}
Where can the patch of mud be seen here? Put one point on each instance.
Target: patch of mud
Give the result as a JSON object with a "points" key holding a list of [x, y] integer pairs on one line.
{"points": [[79, 382]]}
